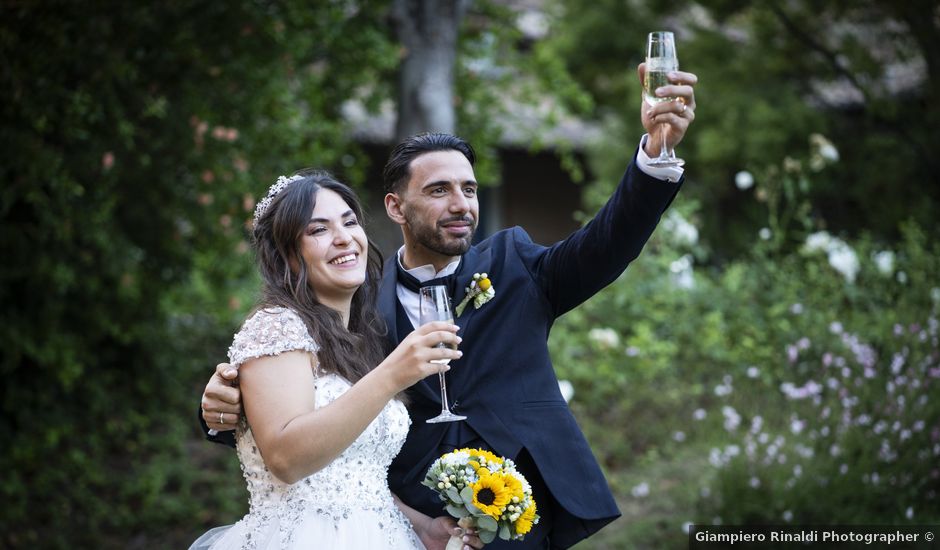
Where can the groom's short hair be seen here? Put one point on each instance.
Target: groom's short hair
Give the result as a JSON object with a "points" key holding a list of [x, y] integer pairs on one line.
{"points": [[397, 170]]}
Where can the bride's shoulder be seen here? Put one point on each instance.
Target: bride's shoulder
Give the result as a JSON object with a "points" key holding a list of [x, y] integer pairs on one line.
{"points": [[269, 331], [272, 315]]}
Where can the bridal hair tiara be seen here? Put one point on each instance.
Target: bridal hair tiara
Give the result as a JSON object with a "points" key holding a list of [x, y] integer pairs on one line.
{"points": [[281, 184]]}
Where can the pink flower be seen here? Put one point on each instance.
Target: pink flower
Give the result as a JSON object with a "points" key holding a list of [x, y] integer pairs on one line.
{"points": [[792, 354], [200, 128], [107, 161]]}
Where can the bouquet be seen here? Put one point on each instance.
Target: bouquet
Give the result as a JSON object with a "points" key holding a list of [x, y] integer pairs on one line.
{"points": [[485, 492]]}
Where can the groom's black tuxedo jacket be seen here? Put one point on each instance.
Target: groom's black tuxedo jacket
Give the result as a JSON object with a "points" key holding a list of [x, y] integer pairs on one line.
{"points": [[505, 383]]}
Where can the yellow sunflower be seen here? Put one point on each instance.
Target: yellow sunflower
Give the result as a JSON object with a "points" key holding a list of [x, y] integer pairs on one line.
{"points": [[524, 523], [490, 494], [514, 486]]}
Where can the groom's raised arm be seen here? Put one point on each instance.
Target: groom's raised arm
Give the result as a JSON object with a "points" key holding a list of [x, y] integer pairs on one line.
{"points": [[576, 268]]}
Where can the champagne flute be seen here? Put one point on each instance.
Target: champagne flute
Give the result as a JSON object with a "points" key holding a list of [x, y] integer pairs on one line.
{"points": [[435, 306], [660, 60]]}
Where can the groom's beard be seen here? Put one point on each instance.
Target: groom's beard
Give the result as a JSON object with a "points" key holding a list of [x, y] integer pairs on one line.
{"points": [[435, 238]]}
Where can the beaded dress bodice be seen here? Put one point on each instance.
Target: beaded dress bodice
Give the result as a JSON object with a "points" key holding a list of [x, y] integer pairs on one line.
{"points": [[354, 481]]}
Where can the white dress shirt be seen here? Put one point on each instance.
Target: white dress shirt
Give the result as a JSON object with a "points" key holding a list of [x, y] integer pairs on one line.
{"points": [[668, 173], [409, 300]]}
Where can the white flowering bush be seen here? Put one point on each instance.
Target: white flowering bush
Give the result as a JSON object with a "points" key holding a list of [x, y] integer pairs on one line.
{"points": [[807, 391], [844, 428], [797, 379]]}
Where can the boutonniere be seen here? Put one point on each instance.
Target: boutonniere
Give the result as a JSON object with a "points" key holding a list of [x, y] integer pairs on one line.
{"points": [[480, 291]]}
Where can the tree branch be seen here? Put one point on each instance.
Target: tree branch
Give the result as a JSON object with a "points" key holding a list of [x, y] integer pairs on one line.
{"points": [[830, 56]]}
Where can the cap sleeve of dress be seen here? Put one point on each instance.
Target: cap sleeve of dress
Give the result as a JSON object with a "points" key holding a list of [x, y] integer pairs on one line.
{"points": [[270, 331]]}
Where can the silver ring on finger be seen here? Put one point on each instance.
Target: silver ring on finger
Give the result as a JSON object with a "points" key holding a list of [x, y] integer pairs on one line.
{"points": [[221, 418]]}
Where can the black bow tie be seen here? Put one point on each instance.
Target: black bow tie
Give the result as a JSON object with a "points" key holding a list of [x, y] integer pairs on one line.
{"points": [[410, 282]]}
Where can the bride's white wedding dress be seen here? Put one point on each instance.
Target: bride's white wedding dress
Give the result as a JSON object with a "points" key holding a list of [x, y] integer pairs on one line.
{"points": [[345, 506]]}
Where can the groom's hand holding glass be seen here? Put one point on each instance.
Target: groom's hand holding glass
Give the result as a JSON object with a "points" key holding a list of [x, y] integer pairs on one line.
{"points": [[667, 121]]}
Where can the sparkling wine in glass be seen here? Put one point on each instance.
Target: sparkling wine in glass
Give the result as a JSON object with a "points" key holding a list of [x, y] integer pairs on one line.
{"points": [[435, 306], [660, 60]]}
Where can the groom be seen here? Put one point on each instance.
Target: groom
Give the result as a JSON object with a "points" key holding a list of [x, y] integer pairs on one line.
{"points": [[504, 383]]}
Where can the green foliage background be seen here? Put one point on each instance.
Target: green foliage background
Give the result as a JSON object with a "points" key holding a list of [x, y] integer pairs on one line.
{"points": [[136, 137]]}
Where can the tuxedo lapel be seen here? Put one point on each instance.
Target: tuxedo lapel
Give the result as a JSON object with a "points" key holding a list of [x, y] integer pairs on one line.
{"points": [[474, 261]]}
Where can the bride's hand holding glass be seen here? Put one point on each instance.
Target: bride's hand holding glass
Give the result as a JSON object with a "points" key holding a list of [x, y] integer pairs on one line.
{"points": [[421, 355], [668, 106]]}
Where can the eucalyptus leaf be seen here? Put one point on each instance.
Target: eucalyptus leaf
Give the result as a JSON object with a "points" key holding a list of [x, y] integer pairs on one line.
{"points": [[504, 532], [487, 523], [454, 496], [457, 511], [486, 536], [467, 494]]}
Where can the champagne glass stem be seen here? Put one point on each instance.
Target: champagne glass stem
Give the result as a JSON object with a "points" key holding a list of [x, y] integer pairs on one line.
{"points": [[445, 406], [664, 152]]}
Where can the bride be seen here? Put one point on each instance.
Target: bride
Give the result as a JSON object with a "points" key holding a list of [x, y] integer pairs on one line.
{"points": [[322, 422]]}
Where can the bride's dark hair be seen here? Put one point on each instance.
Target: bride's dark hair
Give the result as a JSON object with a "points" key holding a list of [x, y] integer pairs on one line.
{"points": [[350, 352]]}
